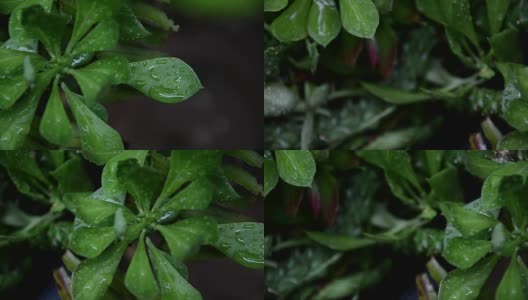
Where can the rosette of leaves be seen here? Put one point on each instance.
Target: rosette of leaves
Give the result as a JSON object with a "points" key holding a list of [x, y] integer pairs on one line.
{"points": [[176, 199], [77, 41], [39, 180], [486, 231]]}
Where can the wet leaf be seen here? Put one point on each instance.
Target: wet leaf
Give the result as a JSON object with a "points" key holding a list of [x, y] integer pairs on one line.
{"points": [[139, 278], [166, 79], [242, 242]]}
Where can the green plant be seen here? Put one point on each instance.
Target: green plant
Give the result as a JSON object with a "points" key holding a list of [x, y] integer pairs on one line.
{"points": [[172, 208], [396, 75], [92, 48], [354, 214]]}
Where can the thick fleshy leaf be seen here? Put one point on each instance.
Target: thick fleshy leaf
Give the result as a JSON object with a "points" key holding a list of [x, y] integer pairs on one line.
{"points": [[189, 165], [93, 276], [11, 60], [464, 253], [468, 222], [90, 12], [95, 77], [90, 242], [454, 14], [130, 28], [94, 208], [20, 38], [274, 5], [479, 165], [139, 278], [166, 79], [339, 242], [290, 26], [271, 175], [497, 10], [445, 185], [197, 195], [243, 178], [324, 22], [47, 28], [109, 179], [296, 167], [103, 37], [491, 197], [398, 162], [395, 96], [466, 284], [72, 177], [185, 236], [242, 242], [142, 183], [12, 89], [99, 141], [513, 283], [55, 125], [359, 17], [172, 285], [15, 122]]}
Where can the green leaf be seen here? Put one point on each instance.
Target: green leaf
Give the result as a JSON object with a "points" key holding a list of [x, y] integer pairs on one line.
{"points": [[95, 208], [172, 285], [139, 278], [324, 22], [477, 164], [296, 167], [250, 157], [466, 284], [89, 13], [130, 28], [290, 26], [271, 175], [109, 178], [467, 221], [99, 141], [166, 79], [339, 242], [12, 60], [514, 141], [395, 96], [445, 185], [55, 125], [513, 283], [15, 122], [185, 236], [12, 89], [434, 160], [93, 276], [142, 183], [275, 5], [90, 242], [103, 37], [95, 77], [242, 242], [243, 178], [454, 14], [72, 177], [47, 28], [359, 17], [506, 46], [397, 161], [491, 188], [197, 195], [464, 253], [186, 166], [497, 10]]}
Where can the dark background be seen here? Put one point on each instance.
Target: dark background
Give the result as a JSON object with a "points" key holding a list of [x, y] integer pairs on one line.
{"points": [[228, 113]]}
